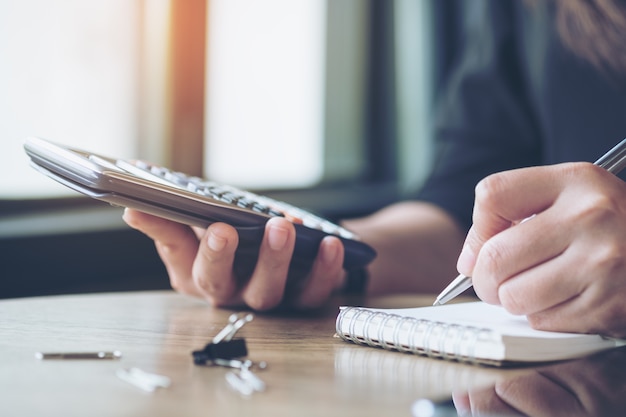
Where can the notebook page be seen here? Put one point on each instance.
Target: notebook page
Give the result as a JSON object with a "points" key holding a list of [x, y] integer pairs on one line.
{"points": [[481, 315]]}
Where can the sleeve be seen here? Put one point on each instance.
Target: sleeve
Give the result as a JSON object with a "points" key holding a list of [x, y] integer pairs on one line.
{"points": [[483, 119]]}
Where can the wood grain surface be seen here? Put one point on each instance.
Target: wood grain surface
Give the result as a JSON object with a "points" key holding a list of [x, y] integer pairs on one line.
{"points": [[309, 373]]}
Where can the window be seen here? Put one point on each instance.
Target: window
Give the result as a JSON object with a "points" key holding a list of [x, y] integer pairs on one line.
{"points": [[266, 95], [315, 93], [322, 103], [69, 73], [286, 89], [413, 28], [265, 92]]}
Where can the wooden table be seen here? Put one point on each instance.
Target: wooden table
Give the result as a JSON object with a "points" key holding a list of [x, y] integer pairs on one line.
{"points": [[310, 372]]}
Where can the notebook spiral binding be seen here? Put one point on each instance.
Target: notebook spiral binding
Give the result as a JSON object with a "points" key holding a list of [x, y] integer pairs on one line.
{"points": [[417, 336]]}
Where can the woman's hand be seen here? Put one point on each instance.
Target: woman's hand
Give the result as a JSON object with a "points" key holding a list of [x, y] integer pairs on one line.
{"points": [[593, 386], [200, 263], [566, 267]]}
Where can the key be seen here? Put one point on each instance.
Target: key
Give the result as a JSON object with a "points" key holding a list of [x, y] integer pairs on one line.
{"points": [[223, 346]]}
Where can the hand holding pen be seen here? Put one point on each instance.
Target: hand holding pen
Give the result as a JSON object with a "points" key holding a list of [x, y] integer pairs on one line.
{"points": [[570, 257]]}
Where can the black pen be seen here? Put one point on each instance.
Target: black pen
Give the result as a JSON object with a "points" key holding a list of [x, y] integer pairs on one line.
{"points": [[613, 161]]}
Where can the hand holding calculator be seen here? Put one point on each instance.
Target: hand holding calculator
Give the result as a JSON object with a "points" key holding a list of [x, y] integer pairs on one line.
{"points": [[190, 200]]}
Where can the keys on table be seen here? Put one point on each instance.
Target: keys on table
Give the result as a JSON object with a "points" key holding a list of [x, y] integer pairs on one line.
{"points": [[223, 350], [227, 351]]}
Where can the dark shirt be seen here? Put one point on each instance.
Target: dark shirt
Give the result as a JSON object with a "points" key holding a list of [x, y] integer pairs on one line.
{"points": [[517, 98]]}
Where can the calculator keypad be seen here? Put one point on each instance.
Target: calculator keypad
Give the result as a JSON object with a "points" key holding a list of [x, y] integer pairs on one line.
{"points": [[231, 195]]}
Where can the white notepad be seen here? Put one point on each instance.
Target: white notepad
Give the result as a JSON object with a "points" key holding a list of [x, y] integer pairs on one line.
{"points": [[468, 332]]}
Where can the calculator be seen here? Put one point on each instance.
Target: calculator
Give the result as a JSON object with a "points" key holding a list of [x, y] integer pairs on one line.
{"points": [[187, 199]]}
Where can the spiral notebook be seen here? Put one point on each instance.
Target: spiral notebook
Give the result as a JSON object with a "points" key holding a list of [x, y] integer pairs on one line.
{"points": [[468, 332]]}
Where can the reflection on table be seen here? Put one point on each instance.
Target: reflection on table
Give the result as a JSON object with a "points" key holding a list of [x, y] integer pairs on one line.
{"points": [[593, 386], [310, 372]]}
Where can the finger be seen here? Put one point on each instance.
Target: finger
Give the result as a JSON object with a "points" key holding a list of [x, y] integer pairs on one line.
{"points": [[504, 199], [535, 394], [573, 315], [176, 244], [212, 270], [326, 274], [198, 231], [158, 228], [139, 220], [485, 401], [146, 223], [462, 403], [544, 286], [267, 285], [516, 251], [586, 276]]}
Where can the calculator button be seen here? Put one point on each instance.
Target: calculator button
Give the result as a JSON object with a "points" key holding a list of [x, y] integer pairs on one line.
{"points": [[245, 203], [213, 192], [103, 162], [177, 178], [140, 164], [229, 198], [142, 170], [231, 195], [293, 219], [275, 213], [158, 171], [259, 208]]}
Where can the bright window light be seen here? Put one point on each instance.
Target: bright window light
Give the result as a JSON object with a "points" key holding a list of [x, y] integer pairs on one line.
{"points": [[69, 73], [265, 92]]}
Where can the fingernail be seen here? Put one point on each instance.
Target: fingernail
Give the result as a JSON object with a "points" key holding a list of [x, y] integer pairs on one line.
{"points": [[216, 243], [466, 261], [125, 214], [277, 237], [329, 251], [461, 404]]}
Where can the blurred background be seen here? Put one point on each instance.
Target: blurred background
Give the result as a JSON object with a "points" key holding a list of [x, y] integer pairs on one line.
{"points": [[325, 104]]}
